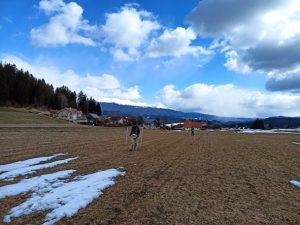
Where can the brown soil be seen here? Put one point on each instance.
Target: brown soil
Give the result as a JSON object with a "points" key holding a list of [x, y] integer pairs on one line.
{"points": [[211, 178]]}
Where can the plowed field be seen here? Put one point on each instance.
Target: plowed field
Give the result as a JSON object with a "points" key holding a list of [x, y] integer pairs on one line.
{"points": [[211, 178]]}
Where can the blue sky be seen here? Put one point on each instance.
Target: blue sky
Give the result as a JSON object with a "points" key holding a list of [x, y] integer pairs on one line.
{"points": [[204, 56]]}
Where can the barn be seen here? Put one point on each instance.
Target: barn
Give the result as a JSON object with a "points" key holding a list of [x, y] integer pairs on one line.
{"points": [[197, 124]]}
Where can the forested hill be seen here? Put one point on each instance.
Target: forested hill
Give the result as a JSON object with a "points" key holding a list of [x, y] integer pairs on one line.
{"points": [[283, 122], [20, 88]]}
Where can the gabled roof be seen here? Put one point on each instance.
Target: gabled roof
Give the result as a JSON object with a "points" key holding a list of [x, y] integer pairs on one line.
{"points": [[92, 116], [71, 110], [82, 117], [148, 120], [116, 118]]}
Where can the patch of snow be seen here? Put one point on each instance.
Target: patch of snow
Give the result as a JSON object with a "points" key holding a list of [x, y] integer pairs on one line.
{"points": [[34, 184], [65, 199], [32, 169], [296, 143], [28, 162], [295, 183], [250, 131], [273, 131]]}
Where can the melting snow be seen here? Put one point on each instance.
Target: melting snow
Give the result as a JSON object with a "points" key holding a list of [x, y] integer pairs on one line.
{"points": [[63, 198], [295, 183], [31, 169], [25, 163], [250, 131], [274, 131], [34, 184], [296, 143]]}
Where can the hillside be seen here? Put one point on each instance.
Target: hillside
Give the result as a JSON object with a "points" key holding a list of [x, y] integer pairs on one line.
{"points": [[169, 114], [14, 116], [283, 122]]}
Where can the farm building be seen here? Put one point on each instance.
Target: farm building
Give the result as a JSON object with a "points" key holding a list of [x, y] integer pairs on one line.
{"points": [[93, 119], [119, 121], [69, 114], [82, 119], [175, 126], [149, 123], [188, 124]]}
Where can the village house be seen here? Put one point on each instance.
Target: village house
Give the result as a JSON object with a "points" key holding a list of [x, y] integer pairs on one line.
{"points": [[174, 126], [69, 114], [149, 123], [93, 119], [119, 120], [197, 124], [82, 120]]}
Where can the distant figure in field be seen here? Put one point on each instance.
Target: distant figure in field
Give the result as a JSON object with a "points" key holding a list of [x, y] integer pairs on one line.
{"points": [[192, 131], [134, 134]]}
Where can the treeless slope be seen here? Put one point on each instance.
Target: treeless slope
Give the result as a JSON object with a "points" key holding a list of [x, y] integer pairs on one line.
{"points": [[212, 178], [14, 117]]}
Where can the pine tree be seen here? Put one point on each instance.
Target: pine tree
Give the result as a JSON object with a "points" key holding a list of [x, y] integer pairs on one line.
{"points": [[82, 102], [98, 109]]}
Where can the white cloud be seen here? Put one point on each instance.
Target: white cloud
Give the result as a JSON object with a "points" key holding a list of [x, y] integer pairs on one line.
{"points": [[51, 6], [234, 62], [261, 36], [65, 26], [176, 43], [101, 87], [126, 33], [229, 100], [123, 55], [286, 81], [127, 30]]}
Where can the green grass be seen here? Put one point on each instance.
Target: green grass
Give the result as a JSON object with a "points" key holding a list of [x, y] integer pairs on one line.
{"points": [[19, 116]]}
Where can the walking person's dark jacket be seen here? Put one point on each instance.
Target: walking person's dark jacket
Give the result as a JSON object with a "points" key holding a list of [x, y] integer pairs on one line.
{"points": [[135, 130]]}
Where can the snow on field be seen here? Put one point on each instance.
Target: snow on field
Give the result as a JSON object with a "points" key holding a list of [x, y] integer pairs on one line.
{"points": [[28, 162], [32, 169], [296, 143], [274, 131], [295, 183], [35, 184], [62, 198]]}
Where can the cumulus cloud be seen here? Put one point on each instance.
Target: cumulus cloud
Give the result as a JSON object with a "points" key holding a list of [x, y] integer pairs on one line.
{"points": [[103, 87], [127, 30], [51, 6], [126, 33], [218, 17], [261, 36], [176, 43], [229, 100], [66, 25], [285, 82]]}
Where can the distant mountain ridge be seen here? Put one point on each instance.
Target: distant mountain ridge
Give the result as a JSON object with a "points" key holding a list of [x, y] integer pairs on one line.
{"points": [[283, 122], [114, 109]]}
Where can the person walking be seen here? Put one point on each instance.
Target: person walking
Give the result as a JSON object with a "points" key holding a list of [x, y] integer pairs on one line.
{"points": [[192, 131], [134, 134]]}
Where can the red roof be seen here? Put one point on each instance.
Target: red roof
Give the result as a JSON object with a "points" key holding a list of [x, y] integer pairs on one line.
{"points": [[72, 110], [191, 123]]}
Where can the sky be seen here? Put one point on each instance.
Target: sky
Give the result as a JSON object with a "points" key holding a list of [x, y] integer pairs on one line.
{"points": [[223, 57]]}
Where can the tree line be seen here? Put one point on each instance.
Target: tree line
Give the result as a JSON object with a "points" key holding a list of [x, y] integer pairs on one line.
{"points": [[20, 88]]}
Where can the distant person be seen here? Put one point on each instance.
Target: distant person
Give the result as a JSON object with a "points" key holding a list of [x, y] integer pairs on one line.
{"points": [[134, 134], [192, 131]]}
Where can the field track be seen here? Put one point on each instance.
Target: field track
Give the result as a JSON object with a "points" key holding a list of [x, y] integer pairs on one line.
{"points": [[212, 178]]}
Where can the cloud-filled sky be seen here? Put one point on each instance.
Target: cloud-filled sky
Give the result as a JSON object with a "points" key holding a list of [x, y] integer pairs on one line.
{"points": [[222, 57]]}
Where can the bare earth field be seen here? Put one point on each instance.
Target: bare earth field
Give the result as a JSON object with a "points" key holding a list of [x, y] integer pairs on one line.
{"points": [[212, 178]]}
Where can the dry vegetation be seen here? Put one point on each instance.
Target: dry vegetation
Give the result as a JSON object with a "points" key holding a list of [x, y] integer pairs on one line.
{"points": [[212, 178], [26, 117]]}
